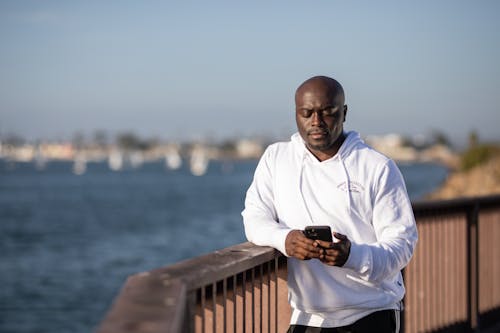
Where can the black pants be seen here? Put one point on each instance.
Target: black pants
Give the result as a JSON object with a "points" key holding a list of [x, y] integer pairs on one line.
{"points": [[384, 321]]}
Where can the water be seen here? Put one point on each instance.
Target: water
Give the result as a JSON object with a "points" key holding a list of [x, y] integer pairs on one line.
{"points": [[68, 242]]}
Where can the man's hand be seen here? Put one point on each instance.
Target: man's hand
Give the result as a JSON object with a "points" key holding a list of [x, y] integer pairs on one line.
{"points": [[336, 253], [299, 246]]}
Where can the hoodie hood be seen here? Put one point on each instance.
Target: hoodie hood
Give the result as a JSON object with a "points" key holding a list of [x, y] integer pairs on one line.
{"points": [[352, 139]]}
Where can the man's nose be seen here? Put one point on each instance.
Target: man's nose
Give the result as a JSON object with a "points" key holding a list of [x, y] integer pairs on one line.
{"points": [[316, 118]]}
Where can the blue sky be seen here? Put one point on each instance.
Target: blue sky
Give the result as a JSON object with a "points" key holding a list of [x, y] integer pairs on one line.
{"points": [[196, 69]]}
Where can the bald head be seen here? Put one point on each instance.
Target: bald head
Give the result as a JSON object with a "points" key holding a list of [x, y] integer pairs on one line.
{"points": [[320, 113], [324, 84]]}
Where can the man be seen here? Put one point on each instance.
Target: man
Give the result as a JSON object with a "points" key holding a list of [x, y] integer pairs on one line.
{"points": [[325, 176]]}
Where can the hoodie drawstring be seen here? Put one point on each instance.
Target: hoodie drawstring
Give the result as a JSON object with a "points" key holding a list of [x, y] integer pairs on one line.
{"points": [[301, 172], [348, 185]]}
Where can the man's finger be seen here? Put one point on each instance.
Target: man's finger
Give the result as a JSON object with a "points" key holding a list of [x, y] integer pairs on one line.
{"points": [[306, 252], [339, 236], [319, 243]]}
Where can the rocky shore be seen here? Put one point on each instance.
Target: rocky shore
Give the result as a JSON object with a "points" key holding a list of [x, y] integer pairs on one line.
{"points": [[481, 180]]}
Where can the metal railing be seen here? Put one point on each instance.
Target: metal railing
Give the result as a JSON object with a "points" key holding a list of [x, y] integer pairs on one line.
{"points": [[453, 279], [238, 289], [453, 282]]}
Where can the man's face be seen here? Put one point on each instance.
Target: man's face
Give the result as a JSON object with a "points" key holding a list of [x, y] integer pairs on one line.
{"points": [[320, 114]]}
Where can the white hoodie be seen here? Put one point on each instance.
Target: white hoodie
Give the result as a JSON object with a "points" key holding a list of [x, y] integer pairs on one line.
{"points": [[359, 193]]}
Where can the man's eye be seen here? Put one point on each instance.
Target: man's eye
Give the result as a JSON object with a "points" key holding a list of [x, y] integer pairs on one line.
{"points": [[330, 112], [306, 113]]}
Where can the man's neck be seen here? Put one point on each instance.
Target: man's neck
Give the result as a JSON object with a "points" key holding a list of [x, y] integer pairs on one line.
{"points": [[325, 154]]}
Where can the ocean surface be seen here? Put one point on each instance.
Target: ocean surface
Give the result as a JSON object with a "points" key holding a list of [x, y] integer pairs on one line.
{"points": [[68, 242]]}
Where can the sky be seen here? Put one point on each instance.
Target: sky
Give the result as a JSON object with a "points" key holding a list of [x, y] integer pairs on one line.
{"points": [[226, 69]]}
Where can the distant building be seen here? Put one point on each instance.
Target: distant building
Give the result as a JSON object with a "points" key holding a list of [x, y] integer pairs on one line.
{"points": [[248, 149], [394, 146]]}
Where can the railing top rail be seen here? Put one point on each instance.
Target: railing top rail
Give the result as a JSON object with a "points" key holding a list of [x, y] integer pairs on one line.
{"points": [[457, 205], [155, 301], [206, 269], [147, 304]]}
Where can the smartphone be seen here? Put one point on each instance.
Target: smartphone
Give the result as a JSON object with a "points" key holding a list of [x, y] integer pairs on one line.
{"points": [[321, 232]]}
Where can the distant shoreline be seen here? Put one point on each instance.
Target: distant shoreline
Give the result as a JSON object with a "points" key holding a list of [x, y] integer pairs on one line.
{"points": [[481, 180]]}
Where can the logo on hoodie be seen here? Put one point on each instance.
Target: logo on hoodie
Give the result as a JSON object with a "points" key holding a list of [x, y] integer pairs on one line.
{"points": [[353, 187]]}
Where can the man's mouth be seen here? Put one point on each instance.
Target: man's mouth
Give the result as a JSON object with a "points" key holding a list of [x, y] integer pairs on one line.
{"points": [[317, 134]]}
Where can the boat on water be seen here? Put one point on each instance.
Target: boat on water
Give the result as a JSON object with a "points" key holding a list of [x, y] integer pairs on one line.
{"points": [[115, 160], [40, 160], [80, 164], [173, 160], [136, 159], [198, 162]]}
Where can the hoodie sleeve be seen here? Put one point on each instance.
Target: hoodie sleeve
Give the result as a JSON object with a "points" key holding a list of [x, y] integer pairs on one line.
{"points": [[395, 230], [259, 216]]}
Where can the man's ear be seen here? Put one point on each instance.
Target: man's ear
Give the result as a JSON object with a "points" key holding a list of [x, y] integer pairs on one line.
{"points": [[345, 112]]}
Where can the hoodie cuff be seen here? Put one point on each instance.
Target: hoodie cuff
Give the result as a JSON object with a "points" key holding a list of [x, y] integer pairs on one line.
{"points": [[359, 258], [279, 239]]}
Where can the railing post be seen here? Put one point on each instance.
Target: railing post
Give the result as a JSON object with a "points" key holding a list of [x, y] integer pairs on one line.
{"points": [[189, 323], [473, 267]]}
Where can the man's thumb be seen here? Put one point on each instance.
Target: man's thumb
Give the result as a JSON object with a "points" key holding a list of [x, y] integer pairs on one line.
{"points": [[339, 236]]}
